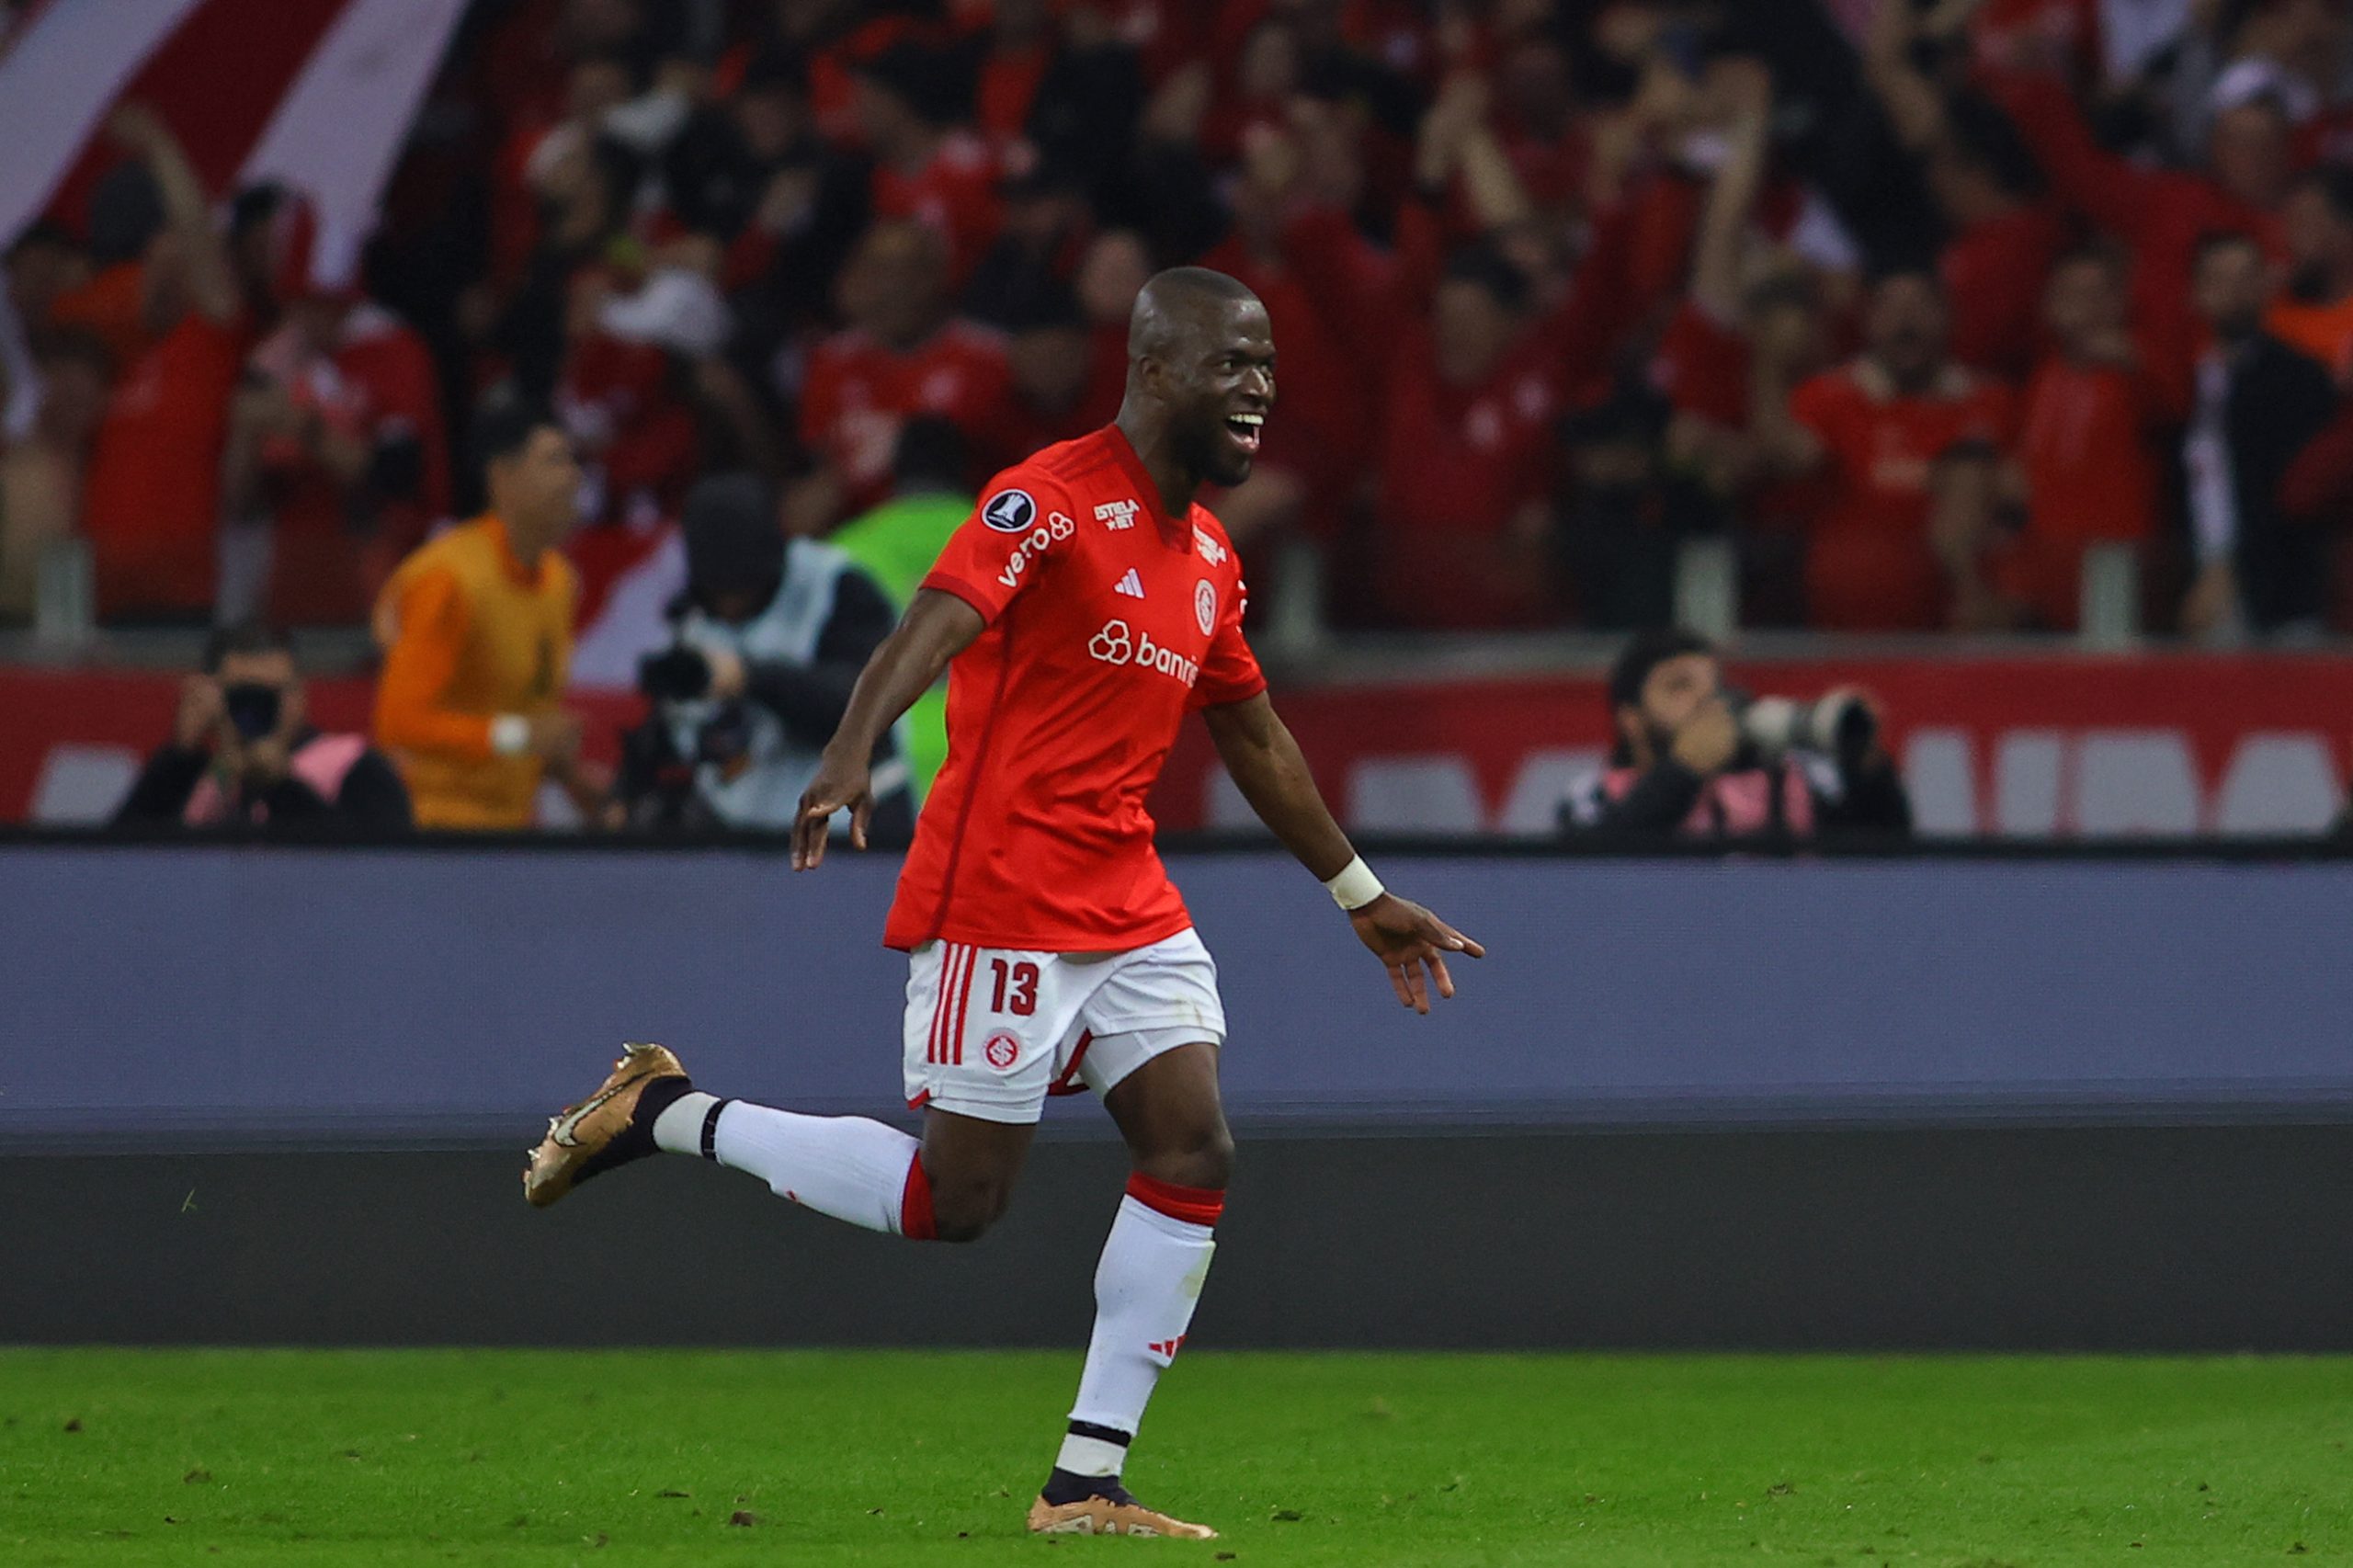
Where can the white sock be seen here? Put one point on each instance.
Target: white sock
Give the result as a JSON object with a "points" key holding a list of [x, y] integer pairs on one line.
{"points": [[847, 1166], [678, 1129], [1145, 1287]]}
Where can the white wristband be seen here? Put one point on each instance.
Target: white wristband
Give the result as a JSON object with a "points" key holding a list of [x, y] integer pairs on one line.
{"points": [[510, 734], [1355, 886]]}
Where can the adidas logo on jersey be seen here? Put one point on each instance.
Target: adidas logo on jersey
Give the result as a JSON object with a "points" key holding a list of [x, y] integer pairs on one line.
{"points": [[1131, 585], [1118, 515]]}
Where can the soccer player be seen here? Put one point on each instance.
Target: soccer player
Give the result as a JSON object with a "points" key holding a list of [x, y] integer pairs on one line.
{"points": [[1084, 607]]}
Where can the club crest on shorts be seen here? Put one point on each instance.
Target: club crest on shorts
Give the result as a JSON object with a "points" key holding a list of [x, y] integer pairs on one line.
{"points": [[1205, 607], [1010, 511], [1002, 1049]]}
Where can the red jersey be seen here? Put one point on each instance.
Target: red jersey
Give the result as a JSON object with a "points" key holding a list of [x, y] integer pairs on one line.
{"points": [[377, 382], [1107, 622], [1869, 567], [859, 391], [1456, 465], [1993, 273], [2093, 472], [152, 506], [955, 192]]}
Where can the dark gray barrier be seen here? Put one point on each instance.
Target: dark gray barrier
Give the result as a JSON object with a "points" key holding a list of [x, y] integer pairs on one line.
{"points": [[2141, 1238], [390, 995]]}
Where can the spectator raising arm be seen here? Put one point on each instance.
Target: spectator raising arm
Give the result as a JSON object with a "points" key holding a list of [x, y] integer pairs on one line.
{"points": [[211, 282], [1746, 91]]}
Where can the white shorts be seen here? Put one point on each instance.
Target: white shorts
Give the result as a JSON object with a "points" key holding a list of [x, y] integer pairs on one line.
{"points": [[992, 1031]]}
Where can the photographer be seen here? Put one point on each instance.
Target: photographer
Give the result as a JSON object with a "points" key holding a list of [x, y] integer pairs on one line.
{"points": [[242, 755], [771, 637], [1696, 759]]}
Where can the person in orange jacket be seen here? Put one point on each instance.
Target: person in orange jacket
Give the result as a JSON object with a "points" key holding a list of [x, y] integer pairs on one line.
{"points": [[476, 627]]}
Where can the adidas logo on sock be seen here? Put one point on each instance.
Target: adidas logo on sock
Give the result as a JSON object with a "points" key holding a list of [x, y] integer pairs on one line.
{"points": [[1131, 585], [1167, 1347]]}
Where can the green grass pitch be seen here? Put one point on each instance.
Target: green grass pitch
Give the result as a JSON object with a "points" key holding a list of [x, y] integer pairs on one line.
{"points": [[380, 1459]]}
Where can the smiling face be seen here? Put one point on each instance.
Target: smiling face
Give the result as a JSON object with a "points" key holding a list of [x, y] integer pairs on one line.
{"points": [[1218, 380]]}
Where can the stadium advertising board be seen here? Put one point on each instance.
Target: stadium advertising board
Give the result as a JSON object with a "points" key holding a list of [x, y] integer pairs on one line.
{"points": [[2049, 747]]}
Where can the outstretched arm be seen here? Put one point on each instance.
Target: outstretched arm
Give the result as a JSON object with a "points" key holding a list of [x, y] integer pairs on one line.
{"points": [[937, 627], [1267, 765]]}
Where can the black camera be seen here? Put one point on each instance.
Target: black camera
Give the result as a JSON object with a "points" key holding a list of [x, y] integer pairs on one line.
{"points": [[725, 739], [253, 709], [678, 674]]}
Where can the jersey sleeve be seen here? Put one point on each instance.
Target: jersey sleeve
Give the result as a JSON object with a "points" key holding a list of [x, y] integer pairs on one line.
{"points": [[1229, 672], [428, 625], [1011, 539]]}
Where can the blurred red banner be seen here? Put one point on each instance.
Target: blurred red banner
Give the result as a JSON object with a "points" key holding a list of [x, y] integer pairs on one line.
{"points": [[2051, 746], [2055, 746]]}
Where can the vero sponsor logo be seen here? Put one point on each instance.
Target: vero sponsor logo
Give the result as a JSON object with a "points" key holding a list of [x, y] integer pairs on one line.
{"points": [[1041, 537]]}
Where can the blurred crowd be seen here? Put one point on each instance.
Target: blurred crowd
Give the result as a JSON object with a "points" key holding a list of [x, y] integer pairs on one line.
{"points": [[1913, 302]]}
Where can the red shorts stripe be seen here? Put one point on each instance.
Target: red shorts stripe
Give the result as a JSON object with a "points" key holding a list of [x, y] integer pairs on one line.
{"points": [[939, 1003], [1069, 1084], [963, 1004], [1194, 1205]]}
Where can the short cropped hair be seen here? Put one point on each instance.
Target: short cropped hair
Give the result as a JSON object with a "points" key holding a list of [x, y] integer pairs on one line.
{"points": [[245, 637]]}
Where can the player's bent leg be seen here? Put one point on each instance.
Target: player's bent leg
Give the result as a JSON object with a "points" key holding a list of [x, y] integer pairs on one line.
{"points": [[968, 1166], [849, 1167], [1173, 1119], [1155, 1263]]}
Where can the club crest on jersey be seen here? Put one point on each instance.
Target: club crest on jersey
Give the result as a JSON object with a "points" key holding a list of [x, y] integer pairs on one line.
{"points": [[1010, 511], [1205, 605], [1002, 1050], [1118, 515], [1212, 551]]}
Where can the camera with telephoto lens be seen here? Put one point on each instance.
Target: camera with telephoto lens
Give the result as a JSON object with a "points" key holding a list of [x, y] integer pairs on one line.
{"points": [[681, 673], [252, 708], [1838, 723], [678, 673]]}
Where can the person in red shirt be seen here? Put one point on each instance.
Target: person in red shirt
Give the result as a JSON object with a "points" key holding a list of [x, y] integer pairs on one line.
{"points": [[1086, 607], [2001, 233], [909, 97], [337, 463], [1060, 388], [1467, 460], [152, 507], [1902, 434], [2161, 214], [904, 354], [2087, 431]]}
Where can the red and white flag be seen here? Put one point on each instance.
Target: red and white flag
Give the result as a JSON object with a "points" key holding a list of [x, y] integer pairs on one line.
{"points": [[317, 94]]}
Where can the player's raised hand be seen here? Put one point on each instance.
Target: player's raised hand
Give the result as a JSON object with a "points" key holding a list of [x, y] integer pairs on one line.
{"points": [[837, 784], [1412, 944]]}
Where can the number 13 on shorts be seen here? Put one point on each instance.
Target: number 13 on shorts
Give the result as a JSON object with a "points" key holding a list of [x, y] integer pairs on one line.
{"points": [[1016, 987], [991, 1032]]}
